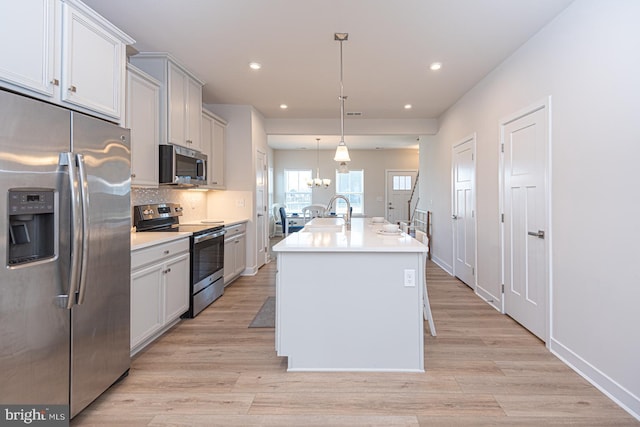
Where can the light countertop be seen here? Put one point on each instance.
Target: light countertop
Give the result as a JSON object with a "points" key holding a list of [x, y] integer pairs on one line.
{"points": [[146, 239], [364, 236], [219, 221]]}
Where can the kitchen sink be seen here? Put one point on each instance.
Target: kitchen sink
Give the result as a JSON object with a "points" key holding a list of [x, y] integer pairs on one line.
{"points": [[325, 224]]}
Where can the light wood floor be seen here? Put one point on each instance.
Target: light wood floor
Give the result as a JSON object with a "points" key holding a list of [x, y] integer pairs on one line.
{"points": [[483, 369]]}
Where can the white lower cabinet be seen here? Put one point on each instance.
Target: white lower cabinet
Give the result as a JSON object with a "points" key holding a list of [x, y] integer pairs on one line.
{"points": [[235, 252], [159, 290]]}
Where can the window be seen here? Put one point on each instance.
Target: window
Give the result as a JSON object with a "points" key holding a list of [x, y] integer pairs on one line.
{"points": [[401, 182], [350, 185], [297, 193]]}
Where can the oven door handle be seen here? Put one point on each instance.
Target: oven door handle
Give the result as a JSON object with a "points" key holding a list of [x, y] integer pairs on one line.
{"points": [[209, 236]]}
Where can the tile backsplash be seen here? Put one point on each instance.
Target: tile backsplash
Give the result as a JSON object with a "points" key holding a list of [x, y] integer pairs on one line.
{"points": [[194, 203]]}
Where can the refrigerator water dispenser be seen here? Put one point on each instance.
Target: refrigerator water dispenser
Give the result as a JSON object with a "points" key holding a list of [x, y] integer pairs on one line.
{"points": [[31, 225]]}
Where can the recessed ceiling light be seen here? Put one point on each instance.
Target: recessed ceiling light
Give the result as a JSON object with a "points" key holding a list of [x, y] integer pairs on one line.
{"points": [[284, 106], [255, 65], [435, 66], [408, 106]]}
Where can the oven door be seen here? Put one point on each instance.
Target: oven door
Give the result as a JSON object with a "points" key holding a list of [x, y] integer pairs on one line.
{"points": [[207, 259]]}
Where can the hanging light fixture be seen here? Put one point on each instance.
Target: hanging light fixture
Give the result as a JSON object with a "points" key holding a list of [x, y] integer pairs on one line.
{"points": [[343, 168], [342, 153], [317, 181]]}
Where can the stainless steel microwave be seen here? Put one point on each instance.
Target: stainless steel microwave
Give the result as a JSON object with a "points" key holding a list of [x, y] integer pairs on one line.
{"points": [[182, 166]]}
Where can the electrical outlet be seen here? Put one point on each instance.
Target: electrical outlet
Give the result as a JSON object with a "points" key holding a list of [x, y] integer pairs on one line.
{"points": [[409, 278]]}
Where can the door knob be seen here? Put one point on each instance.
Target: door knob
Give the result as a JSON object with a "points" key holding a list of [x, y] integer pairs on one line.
{"points": [[539, 233]]}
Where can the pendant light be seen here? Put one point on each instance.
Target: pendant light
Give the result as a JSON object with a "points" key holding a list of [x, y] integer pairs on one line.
{"points": [[343, 168], [317, 181], [342, 153]]}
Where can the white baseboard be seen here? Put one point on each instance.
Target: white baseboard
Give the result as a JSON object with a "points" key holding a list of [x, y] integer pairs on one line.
{"points": [[443, 265], [616, 392], [489, 298]]}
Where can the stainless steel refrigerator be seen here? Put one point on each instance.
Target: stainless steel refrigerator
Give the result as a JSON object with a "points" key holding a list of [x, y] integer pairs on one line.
{"points": [[64, 287]]}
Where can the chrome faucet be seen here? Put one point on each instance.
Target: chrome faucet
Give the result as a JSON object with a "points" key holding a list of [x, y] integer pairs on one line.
{"points": [[348, 215]]}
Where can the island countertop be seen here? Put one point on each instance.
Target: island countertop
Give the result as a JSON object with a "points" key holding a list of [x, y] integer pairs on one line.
{"points": [[364, 236]]}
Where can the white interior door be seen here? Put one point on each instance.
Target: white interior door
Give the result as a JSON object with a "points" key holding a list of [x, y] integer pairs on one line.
{"points": [[261, 208], [463, 211], [399, 187], [525, 142]]}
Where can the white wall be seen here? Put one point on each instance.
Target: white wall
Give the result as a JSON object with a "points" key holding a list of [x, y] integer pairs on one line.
{"points": [[244, 135], [587, 60], [374, 163]]}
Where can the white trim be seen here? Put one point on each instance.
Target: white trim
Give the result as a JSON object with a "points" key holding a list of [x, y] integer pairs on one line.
{"points": [[442, 264], [539, 105], [489, 298], [470, 138], [615, 391]]}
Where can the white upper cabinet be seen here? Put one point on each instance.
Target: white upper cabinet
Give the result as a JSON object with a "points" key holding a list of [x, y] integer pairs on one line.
{"points": [[194, 114], [64, 53], [180, 99], [143, 118], [213, 140], [28, 32]]}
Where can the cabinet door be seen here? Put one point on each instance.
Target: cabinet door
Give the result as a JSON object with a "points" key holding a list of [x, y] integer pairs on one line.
{"points": [[92, 64], [194, 114], [143, 115], [176, 284], [146, 303], [216, 160], [241, 254], [229, 260], [207, 141], [28, 26], [176, 103]]}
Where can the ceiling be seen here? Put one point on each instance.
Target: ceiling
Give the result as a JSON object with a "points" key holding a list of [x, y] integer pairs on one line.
{"points": [[385, 61]]}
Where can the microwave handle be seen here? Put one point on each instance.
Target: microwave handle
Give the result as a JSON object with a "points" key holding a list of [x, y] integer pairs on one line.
{"points": [[203, 165]]}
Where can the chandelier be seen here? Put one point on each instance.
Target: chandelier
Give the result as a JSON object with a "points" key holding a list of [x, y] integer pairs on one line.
{"points": [[342, 153], [317, 181]]}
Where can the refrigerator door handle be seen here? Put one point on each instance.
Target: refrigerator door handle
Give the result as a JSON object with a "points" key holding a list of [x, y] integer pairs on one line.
{"points": [[68, 160], [84, 248]]}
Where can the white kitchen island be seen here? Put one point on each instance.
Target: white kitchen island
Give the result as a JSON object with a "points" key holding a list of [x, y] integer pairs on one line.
{"points": [[350, 300]]}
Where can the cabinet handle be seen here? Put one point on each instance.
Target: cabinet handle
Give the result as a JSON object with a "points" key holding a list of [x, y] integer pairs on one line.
{"points": [[168, 270], [214, 182], [166, 252], [189, 141], [72, 89], [55, 82], [133, 175]]}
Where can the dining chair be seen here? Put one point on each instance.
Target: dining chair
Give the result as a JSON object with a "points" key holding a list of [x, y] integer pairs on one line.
{"points": [[312, 211], [286, 227]]}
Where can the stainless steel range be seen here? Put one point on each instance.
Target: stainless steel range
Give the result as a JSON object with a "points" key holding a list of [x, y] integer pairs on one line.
{"points": [[206, 250]]}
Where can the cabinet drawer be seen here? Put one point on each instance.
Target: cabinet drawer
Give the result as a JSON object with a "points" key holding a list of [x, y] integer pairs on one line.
{"points": [[235, 230], [158, 253]]}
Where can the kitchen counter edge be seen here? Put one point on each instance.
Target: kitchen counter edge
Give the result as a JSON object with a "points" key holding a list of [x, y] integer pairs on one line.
{"points": [[147, 239]]}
